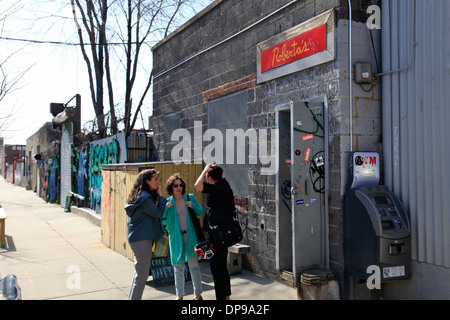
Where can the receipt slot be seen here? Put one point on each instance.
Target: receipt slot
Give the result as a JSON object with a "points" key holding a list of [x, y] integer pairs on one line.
{"points": [[377, 229]]}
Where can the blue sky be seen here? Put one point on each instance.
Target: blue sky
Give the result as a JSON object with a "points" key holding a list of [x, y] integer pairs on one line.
{"points": [[57, 72]]}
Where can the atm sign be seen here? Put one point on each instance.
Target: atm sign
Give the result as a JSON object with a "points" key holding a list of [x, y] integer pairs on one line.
{"points": [[372, 160], [366, 160]]}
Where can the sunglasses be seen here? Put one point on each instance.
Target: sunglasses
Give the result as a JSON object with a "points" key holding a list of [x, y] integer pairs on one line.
{"points": [[178, 185]]}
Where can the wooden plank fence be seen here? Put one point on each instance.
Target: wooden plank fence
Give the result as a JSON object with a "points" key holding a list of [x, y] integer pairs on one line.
{"points": [[117, 182]]}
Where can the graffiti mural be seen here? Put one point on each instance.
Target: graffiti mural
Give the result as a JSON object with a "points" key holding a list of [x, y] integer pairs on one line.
{"points": [[241, 205], [286, 194], [80, 182], [52, 194], [107, 153], [87, 164], [49, 180]]}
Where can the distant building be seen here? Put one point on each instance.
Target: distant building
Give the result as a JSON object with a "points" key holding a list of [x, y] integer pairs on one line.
{"points": [[13, 163], [42, 147]]}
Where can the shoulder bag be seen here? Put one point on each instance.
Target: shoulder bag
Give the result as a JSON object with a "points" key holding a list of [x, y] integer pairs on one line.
{"points": [[226, 234], [196, 223]]}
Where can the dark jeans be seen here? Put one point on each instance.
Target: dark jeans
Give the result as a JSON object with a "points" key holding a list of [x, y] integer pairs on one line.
{"points": [[219, 270]]}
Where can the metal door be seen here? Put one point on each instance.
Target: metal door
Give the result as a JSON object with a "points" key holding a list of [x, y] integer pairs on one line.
{"points": [[308, 161]]}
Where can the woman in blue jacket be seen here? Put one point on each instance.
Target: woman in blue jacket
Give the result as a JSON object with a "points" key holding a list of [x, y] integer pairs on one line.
{"points": [[182, 237], [144, 209]]}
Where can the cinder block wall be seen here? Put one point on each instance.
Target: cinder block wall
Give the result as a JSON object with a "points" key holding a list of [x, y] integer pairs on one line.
{"points": [[231, 67]]}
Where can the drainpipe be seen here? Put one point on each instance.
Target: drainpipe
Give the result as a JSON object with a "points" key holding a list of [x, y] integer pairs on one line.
{"points": [[350, 104]]}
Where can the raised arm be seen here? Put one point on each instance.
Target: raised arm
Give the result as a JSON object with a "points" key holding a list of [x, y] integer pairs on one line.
{"points": [[199, 183]]}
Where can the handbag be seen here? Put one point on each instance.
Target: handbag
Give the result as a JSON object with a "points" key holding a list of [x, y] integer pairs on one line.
{"points": [[161, 247], [226, 234], [196, 223]]}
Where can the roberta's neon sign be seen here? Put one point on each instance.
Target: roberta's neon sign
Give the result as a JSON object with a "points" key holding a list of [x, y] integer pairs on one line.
{"points": [[296, 48]]}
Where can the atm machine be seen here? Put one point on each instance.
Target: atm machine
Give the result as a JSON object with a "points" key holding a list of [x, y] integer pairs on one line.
{"points": [[376, 224]]}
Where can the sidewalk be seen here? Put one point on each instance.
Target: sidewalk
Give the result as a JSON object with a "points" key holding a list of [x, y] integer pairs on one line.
{"points": [[59, 256]]}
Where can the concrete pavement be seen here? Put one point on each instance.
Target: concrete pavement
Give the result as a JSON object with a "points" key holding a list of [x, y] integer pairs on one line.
{"points": [[59, 256]]}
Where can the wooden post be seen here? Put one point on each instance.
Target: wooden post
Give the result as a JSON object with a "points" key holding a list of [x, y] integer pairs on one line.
{"points": [[2, 228]]}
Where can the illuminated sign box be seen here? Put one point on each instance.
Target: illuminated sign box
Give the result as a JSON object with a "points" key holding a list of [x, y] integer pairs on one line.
{"points": [[309, 44]]}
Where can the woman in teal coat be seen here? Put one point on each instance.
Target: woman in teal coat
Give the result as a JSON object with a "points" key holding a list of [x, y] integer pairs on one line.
{"points": [[182, 237]]}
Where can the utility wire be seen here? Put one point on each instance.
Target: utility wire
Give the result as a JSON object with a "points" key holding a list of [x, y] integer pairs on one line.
{"points": [[64, 43]]}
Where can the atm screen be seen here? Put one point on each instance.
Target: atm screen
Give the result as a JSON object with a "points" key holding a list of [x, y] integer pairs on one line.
{"points": [[380, 200]]}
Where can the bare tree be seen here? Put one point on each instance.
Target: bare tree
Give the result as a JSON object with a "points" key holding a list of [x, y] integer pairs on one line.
{"points": [[8, 85], [95, 27], [135, 24], [8, 80]]}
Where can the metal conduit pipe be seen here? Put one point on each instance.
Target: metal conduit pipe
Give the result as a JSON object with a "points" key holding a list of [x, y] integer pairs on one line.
{"points": [[413, 40], [350, 104], [259, 21]]}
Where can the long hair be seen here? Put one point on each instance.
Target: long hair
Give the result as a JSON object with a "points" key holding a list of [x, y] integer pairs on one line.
{"points": [[140, 185], [171, 181]]}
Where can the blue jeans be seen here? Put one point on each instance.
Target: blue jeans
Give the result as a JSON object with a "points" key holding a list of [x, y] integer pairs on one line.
{"points": [[195, 272]]}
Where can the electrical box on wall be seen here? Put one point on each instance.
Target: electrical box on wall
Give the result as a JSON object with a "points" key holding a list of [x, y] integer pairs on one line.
{"points": [[363, 73]]}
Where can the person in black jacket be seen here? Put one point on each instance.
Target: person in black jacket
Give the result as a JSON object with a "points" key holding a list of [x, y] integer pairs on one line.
{"points": [[220, 207]]}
